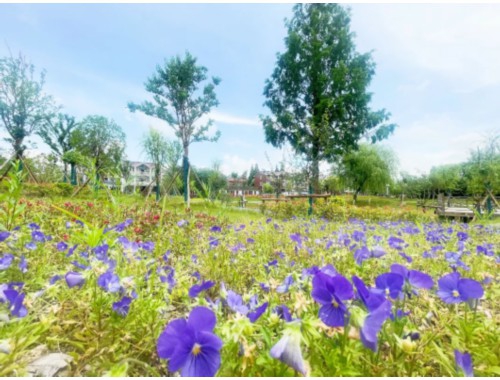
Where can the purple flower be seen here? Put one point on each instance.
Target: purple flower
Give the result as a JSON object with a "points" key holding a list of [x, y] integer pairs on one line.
{"points": [[297, 239], [485, 249], [215, 229], [109, 282], [330, 292], [33, 226], [191, 346], [361, 255], [17, 309], [264, 287], [74, 279], [197, 289], [148, 246], [235, 303], [370, 299], [415, 278], [169, 278], [4, 235], [54, 279], [23, 264], [6, 261], [61, 246], [373, 324], [359, 236], [283, 288], [283, 312], [71, 250], [396, 243], [464, 362], [182, 223], [453, 289], [390, 284], [38, 236], [288, 351], [462, 236], [31, 246], [254, 315], [101, 252], [123, 306]]}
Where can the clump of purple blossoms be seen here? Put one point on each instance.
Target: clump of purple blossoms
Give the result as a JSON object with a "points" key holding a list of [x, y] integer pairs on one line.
{"points": [[190, 345]]}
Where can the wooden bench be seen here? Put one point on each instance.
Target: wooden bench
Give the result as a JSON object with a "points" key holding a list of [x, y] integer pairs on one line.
{"points": [[264, 200], [324, 196]]}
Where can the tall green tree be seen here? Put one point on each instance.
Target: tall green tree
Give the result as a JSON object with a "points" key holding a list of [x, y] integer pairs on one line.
{"points": [[23, 104], [370, 168], [155, 146], [318, 93], [178, 101], [56, 133], [482, 169], [102, 141]]}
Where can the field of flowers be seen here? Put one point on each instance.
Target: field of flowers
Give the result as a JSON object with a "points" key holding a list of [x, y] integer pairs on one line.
{"points": [[143, 291]]}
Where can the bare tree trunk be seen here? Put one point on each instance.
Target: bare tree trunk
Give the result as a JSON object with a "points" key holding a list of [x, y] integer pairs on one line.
{"points": [[185, 164]]}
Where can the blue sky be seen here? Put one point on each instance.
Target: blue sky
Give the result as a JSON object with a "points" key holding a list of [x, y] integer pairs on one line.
{"points": [[437, 69]]}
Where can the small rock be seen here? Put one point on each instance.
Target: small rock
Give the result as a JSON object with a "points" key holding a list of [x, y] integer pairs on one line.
{"points": [[4, 346], [49, 365]]}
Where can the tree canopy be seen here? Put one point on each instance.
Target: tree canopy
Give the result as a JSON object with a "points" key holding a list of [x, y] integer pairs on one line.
{"points": [[318, 93], [370, 168], [56, 133], [23, 104], [177, 100], [101, 140]]}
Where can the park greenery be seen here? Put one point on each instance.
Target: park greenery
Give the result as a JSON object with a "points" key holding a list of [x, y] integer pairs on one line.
{"points": [[98, 278]]}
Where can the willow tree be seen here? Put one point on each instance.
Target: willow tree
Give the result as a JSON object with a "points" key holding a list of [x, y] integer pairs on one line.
{"points": [[177, 100], [370, 168], [318, 93]]}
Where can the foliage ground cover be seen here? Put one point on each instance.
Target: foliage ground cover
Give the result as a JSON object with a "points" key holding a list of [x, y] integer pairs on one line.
{"points": [[117, 286]]}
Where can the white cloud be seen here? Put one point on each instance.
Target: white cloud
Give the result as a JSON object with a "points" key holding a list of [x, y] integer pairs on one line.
{"points": [[435, 140], [225, 118], [458, 42]]}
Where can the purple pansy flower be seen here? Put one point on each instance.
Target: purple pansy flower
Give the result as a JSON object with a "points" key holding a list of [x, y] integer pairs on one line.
{"points": [[453, 289], [17, 309], [283, 312], [287, 350], [123, 306], [235, 302], [4, 235], [198, 288], [109, 282], [61, 246], [464, 362], [373, 324], [390, 284], [190, 345], [255, 314], [370, 299], [54, 279], [415, 278], [6, 261], [330, 292], [74, 279], [283, 288], [23, 264]]}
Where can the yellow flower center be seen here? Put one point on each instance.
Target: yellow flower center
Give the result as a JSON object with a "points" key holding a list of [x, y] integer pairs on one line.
{"points": [[335, 303], [455, 293], [196, 349]]}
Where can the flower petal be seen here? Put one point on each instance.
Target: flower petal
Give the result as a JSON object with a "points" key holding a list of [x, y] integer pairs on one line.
{"points": [[202, 319]]}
